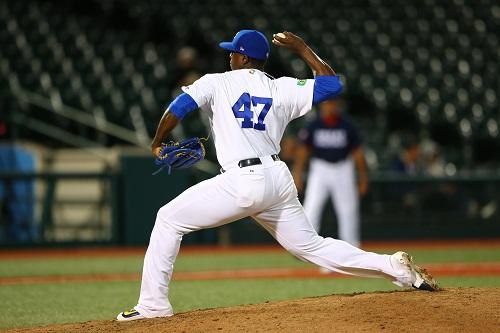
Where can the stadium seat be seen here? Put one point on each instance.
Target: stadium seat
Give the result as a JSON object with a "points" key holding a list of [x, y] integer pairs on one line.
{"points": [[438, 60]]}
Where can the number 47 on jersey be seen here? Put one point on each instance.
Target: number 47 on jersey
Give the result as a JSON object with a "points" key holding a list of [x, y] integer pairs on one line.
{"points": [[243, 109]]}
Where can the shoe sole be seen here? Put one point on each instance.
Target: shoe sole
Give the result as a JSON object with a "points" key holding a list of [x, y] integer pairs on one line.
{"points": [[121, 317], [425, 281]]}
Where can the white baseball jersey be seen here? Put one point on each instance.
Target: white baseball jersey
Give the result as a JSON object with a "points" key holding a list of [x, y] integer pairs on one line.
{"points": [[249, 111]]}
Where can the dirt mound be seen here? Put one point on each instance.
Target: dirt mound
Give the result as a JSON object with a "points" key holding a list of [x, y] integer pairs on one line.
{"points": [[450, 310]]}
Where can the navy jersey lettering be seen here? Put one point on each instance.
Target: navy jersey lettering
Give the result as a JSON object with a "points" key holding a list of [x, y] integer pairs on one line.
{"points": [[332, 143]]}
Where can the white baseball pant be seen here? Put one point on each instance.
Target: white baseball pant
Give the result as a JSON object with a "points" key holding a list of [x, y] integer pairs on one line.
{"points": [[337, 180], [268, 194]]}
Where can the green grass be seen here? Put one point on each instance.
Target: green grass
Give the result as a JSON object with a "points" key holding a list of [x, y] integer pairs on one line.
{"points": [[63, 266], [133, 264], [34, 305], [190, 262], [41, 304]]}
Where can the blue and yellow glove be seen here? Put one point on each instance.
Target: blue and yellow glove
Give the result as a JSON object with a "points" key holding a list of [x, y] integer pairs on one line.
{"points": [[180, 155]]}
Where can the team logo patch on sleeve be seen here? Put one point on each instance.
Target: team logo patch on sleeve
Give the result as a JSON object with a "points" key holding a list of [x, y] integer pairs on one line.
{"points": [[301, 82]]}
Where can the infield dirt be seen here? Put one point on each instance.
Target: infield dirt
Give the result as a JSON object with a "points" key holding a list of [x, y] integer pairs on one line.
{"points": [[449, 310]]}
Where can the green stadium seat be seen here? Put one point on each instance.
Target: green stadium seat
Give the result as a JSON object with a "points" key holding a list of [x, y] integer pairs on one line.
{"points": [[438, 60]]}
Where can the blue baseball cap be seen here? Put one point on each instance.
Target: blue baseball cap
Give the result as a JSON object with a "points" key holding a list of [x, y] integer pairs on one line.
{"points": [[251, 43]]}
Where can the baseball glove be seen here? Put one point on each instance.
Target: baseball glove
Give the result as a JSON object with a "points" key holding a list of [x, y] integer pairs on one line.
{"points": [[180, 155]]}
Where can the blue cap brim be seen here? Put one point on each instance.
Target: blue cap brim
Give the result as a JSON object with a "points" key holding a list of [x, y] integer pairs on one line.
{"points": [[228, 46]]}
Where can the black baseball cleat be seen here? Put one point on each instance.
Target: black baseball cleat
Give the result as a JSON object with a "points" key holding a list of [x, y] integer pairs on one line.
{"points": [[129, 315], [420, 278]]}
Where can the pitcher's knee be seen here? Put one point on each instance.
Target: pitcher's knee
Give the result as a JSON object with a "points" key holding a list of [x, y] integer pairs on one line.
{"points": [[165, 217], [293, 250], [304, 249], [163, 213]]}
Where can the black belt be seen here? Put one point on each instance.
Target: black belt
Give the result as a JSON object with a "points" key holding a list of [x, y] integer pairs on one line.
{"points": [[252, 161]]}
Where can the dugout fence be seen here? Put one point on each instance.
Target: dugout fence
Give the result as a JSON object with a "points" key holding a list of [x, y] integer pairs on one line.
{"points": [[123, 212]]}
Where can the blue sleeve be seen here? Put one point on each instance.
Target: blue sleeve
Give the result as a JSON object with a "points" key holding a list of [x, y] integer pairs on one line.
{"points": [[326, 87], [182, 105]]}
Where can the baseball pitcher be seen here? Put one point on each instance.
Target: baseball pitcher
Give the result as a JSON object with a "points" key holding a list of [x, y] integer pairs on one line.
{"points": [[248, 113]]}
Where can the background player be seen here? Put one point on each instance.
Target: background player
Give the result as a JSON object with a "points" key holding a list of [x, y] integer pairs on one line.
{"points": [[334, 145], [248, 113]]}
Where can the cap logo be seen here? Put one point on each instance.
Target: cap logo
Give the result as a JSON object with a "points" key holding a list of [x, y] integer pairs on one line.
{"points": [[242, 48]]}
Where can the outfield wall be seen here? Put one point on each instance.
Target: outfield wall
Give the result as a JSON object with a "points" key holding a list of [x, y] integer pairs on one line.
{"points": [[395, 208]]}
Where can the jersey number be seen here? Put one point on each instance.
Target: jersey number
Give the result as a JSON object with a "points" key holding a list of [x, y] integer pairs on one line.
{"points": [[243, 109]]}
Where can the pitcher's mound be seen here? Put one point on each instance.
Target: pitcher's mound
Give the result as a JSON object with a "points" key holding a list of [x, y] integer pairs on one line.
{"points": [[449, 310]]}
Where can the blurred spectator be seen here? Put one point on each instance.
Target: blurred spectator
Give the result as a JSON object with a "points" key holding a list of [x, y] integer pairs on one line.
{"points": [[423, 158], [186, 70], [408, 161], [16, 196], [434, 163], [418, 157], [334, 144]]}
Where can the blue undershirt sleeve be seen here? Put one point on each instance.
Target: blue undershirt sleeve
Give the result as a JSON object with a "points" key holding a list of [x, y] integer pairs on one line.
{"points": [[326, 87], [182, 105]]}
